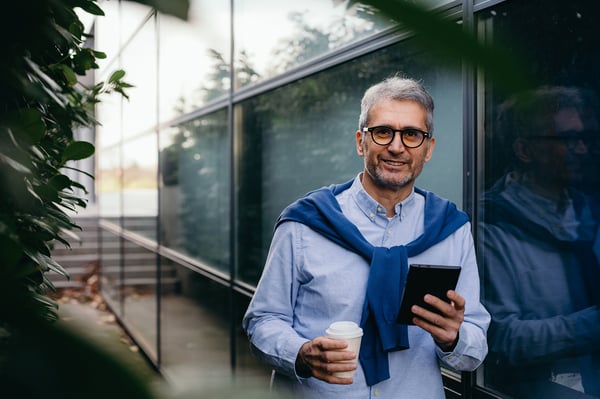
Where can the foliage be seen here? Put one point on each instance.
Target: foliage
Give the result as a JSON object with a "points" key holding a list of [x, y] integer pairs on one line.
{"points": [[42, 103], [458, 43]]}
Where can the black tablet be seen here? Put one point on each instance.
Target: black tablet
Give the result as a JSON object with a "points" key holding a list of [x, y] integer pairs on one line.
{"points": [[426, 279]]}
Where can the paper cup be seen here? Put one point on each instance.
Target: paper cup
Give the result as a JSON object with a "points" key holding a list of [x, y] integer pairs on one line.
{"points": [[350, 332]]}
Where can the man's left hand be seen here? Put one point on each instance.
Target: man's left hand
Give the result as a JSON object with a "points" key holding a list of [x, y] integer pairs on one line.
{"points": [[442, 327]]}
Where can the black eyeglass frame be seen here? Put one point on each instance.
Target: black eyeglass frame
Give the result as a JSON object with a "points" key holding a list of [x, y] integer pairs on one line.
{"points": [[402, 132]]}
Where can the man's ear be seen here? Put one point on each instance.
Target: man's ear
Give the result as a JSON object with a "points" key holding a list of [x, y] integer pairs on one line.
{"points": [[430, 147], [522, 150], [359, 144]]}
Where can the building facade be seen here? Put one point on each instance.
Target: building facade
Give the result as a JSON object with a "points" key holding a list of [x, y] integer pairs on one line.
{"points": [[250, 104]]}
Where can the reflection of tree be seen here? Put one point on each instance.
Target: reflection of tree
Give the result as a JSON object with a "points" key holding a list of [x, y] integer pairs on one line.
{"points": [[196, 167], [309, 41], [301, 136], [292, 139]]}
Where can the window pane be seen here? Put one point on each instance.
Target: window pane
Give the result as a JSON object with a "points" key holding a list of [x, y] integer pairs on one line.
{"points": [[194, 326], [302, 136], [139, 295], [106, 37], [139, 111], [140, 195], [274, 36], [194, 192], [538, 234], [108, 184], [194, 58]]}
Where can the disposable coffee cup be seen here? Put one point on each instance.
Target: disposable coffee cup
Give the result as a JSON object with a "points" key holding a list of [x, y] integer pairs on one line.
{"points": [[350, 332]]}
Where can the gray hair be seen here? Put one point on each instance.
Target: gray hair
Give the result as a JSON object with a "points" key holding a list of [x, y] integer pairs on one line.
{"points": [[396, 88]]}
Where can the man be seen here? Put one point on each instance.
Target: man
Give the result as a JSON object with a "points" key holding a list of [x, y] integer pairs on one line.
{"points": [[541, 250], [341, 253]]}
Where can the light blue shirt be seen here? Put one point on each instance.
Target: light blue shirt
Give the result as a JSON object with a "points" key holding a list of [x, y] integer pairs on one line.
{"points": [[309, 282]]}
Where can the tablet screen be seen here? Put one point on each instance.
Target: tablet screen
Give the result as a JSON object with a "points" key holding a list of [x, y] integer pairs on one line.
{"points": [[426, 279]]}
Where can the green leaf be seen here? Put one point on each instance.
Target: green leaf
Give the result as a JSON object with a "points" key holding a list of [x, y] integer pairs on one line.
{"points": [[69, 75], [78, 150], [26, 123], [60, 182], [91, 7], [116, 75], [99, 54]]}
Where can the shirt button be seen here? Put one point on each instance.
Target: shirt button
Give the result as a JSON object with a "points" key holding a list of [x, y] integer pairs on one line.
{"points": [[376, 392], [379, 209]]}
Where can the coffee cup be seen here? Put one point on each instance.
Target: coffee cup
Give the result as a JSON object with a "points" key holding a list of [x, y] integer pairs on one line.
{"points": [[350, 332]]}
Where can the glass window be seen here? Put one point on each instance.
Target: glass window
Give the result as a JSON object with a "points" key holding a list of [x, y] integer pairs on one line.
{"points": [[108, 183], [110, 272], [132, 16], [140, 193], [194, 192], [108, 112], [139, 57], [302, 136], [274, 36], [139, 295], [194, 58], [107, 34], [195, 333], [539, 189]]}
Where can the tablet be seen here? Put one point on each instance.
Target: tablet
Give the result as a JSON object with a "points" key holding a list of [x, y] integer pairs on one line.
{"points": [[426, 279]]}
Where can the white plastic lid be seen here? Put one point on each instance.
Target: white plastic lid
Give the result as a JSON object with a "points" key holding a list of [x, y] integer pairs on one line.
{"points": [[344, 329]]}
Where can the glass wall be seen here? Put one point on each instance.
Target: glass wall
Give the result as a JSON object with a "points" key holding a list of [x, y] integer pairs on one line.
{"points": [[193, 170], [194, 58], [539, 190], [194, 194], [317, 117]]}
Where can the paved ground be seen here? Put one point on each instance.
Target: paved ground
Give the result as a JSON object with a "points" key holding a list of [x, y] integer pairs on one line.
{"points": [[101, 328]]}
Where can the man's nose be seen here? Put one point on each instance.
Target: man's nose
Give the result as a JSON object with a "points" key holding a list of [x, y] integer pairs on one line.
{"points": [[396, 145], [581, 147]]}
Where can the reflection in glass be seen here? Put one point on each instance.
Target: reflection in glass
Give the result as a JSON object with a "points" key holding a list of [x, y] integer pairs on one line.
{"points": [[108, 184], [109, 112], [139, 111], [302, 136], [194, 58], [195, 316], [139, 295], [110, 271], [106, 37], [140, 194], [194, 192], [539, 228], [304, 30]]}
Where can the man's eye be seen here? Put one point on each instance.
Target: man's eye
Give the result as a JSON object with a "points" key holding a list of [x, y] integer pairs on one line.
{"points": [[411, 133], [383, 132]]}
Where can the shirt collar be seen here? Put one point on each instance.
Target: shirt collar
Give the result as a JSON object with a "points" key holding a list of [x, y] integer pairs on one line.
{"points": [[372, 208]]}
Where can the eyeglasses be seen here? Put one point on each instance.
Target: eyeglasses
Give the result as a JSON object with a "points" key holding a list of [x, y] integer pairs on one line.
{"points": [[410, 137], [571, 138]]}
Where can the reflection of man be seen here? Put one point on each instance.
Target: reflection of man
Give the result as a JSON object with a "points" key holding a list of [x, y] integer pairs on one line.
{"points": [[342, 253], [541, 274]]}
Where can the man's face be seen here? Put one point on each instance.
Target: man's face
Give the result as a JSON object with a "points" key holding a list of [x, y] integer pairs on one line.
{"points": [[553, 164], [393, 168]]}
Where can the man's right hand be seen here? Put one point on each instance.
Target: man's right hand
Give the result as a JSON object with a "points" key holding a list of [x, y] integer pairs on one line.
{"points": [[322, 357]]}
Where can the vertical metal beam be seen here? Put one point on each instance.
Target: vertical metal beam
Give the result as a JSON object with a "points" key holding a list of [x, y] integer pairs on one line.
{"points": [[158, 201], [469, 142], [233, 204]]}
